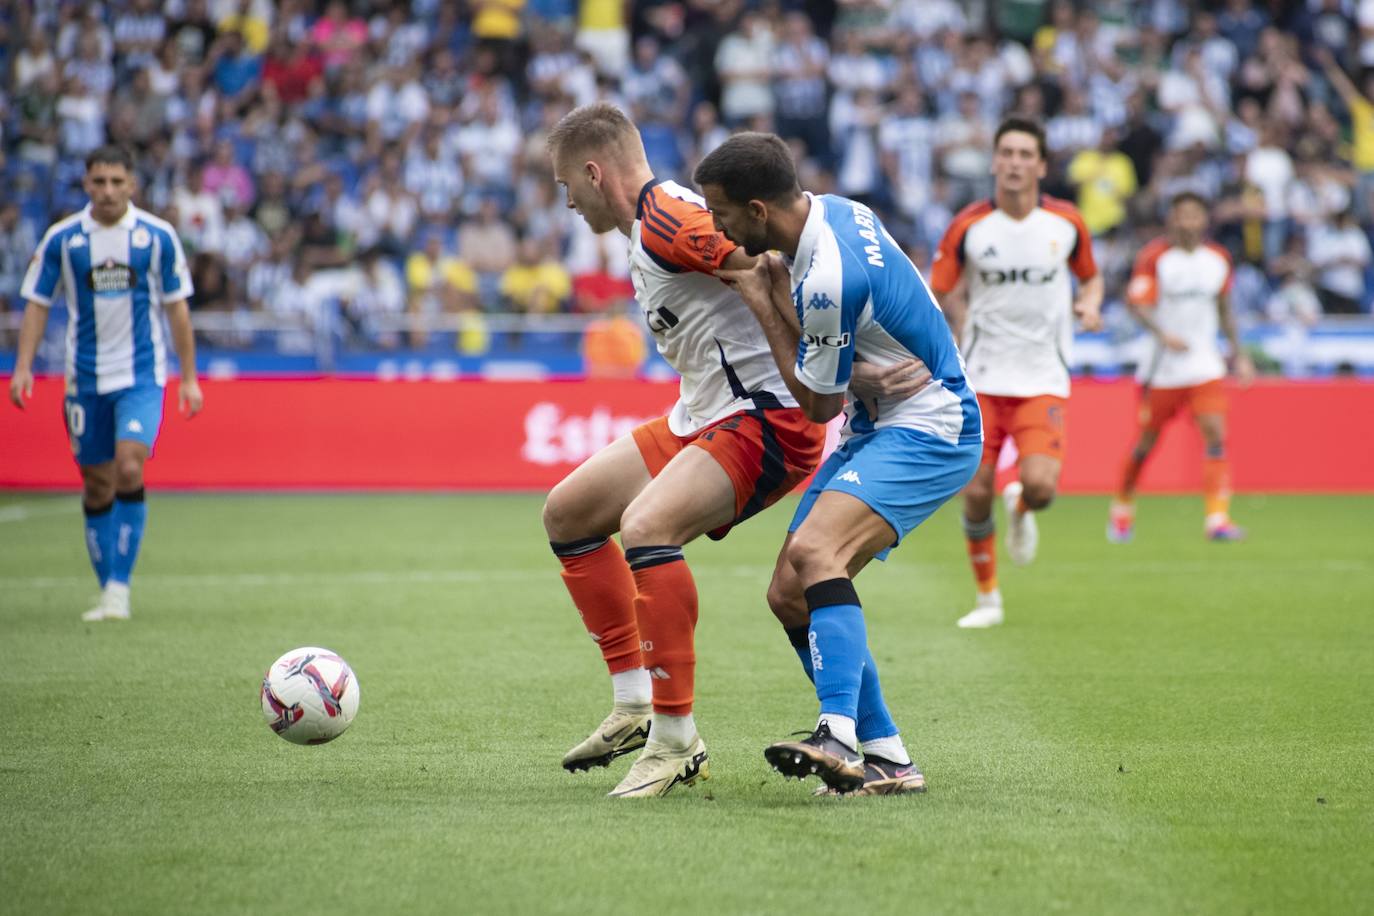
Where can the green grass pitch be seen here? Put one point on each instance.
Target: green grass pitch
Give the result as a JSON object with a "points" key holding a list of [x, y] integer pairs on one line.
{"points": [[1167, 727]]}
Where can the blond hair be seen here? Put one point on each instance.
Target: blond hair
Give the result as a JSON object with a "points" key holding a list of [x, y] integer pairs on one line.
{"points": [[599, 127]]}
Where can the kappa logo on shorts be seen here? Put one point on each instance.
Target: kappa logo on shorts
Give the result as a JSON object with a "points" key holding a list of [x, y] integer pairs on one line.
{"points": [[851, 477], [135, 426]]}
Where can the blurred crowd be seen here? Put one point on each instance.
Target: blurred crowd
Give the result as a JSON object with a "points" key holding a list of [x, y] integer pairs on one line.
{"points": [[383, 159]]}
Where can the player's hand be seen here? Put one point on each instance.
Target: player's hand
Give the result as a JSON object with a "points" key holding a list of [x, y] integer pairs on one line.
{"points": [[1089, 316], [1244, 368], [1173, 342], [189, 397], [753, 285], [21, 387], [895, 382]]}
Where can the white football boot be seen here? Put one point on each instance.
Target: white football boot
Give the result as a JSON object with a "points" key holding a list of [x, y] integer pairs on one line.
{"points": [[661, 768], [987, 612], [113, 604]]}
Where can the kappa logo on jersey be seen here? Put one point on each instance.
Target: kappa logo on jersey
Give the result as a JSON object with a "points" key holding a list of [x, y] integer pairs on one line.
{"points": [[852, 477], [110, 279], [990, 253], [834, 341], [820, 302], [78, 241], [1031, 276]]}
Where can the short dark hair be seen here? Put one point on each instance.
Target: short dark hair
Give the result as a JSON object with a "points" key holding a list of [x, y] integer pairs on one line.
{"points": [[1183, 197], [1020, 125], [599, 126], [750, 166], [110, 154]]}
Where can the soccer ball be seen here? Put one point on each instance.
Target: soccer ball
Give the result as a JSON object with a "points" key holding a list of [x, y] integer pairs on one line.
{"points": [[309, 696]]}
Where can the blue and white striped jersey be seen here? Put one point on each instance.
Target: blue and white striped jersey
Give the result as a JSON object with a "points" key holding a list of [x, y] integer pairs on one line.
{"points": [[116, 280], [857, 294]]}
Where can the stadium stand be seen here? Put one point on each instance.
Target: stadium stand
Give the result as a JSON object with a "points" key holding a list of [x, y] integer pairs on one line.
{"points": [[362, 187]]}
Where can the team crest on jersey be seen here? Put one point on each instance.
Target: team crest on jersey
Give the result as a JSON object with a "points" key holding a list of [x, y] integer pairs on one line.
{"points": [[110, 279], [141, 238], [704, 244], [820, 302]]}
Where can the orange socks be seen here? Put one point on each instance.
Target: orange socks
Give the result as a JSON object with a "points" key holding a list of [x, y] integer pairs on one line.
{"points": [[1130, 473], [602, 588], [982, 553], [1216, 488], [666, 607]]}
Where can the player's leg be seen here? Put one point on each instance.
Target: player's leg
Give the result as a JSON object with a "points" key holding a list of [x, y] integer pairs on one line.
{"points": [[90, 430], [980, 528], [888, 769], [1209, 410], [693, 494], [1157, 406], [137, 420], [580, 515], [1038, 427]]}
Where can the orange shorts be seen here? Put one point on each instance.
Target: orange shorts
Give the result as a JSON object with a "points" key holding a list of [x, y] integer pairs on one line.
{"points": [[1036, 425], [766, 453], [1158, 405]]}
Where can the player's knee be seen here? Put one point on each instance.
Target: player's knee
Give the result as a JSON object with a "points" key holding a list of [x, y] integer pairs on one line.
{"points": [[557, 518], [811, 556], [128, 473], [97, 491], [641, 527], [1037, 494], [786, 603]]}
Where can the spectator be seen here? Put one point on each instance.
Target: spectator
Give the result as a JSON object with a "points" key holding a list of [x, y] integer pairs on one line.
{"points": [[33, 61], [227, 179], [438, 284], [337, 36], [1340, 253], [906, 139], [799, 69], [744, 62], [535, 283], [138, 32], [1270, 168], [1105, 179], [202, 214], [613, 347]]}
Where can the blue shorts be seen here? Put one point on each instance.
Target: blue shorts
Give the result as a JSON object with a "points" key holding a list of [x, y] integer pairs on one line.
{"points": [[901, 474], [96, 421]]}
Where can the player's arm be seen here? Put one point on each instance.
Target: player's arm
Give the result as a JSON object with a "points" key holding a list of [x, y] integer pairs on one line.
{"points": [[174, 278], [948, 280], [189, 397], [40, 285], [1241, 364], [766, 289], [1087, 307], [1142, 294], [30, 334]]}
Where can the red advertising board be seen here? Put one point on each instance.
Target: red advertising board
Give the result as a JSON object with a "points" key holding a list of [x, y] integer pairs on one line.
{"points": [[474, 435]]}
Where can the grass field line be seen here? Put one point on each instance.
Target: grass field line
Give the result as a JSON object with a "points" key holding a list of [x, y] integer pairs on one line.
{"points": [[21, 512], [446, 576]]}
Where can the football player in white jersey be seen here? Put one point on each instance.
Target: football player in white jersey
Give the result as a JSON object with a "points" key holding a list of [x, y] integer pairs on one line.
{"points": [[734, 442], [848, 292], [1002, 272], [1180, 291], [121, 269]]}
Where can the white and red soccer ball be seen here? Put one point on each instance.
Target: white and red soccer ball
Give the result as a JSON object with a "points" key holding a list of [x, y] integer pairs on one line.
{"points": [[309, 696]]}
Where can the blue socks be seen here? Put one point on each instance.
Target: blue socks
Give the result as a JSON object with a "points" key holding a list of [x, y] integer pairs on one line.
{"points": [[874, 720], [837, 646], [130, 514], [100, 536]]}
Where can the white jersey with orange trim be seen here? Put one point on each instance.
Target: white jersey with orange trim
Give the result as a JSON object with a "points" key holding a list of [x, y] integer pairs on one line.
{"points": [[1019, 328], [702, 327], [1183, 287]]}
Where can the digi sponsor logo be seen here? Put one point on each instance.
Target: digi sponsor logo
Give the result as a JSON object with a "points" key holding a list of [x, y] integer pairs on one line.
{"points": [[111, 279], [833, 341], [1030, 276]]}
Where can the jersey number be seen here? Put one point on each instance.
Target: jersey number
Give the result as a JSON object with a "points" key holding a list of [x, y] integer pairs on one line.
{"points": [[76, 419]]}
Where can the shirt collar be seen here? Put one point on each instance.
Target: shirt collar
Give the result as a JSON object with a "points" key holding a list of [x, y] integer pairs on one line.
{"points": [[90, 224], [644, 193], [806, 245]]}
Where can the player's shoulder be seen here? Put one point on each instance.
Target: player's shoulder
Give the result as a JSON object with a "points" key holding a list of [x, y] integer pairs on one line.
{"points": [[1219, 250], [65, 226], [1063, 209], [673, 203], [155, 224], [1153, 250], [965, 219]]}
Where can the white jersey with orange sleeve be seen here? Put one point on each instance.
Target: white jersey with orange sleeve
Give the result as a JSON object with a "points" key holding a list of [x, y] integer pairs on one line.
{"points": [[702, 327], [1183, 288], [1019, 329]]}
